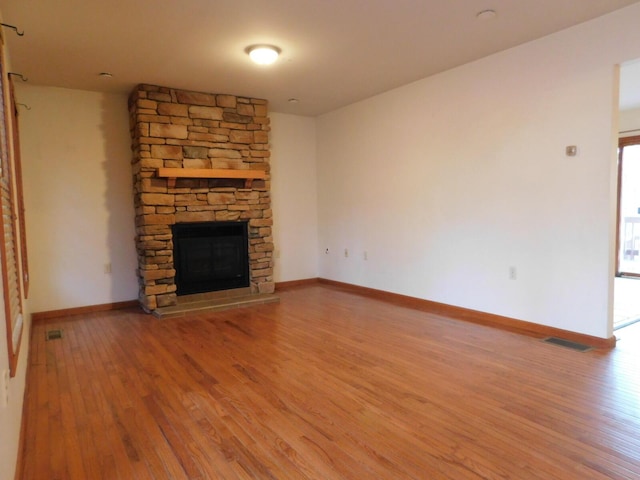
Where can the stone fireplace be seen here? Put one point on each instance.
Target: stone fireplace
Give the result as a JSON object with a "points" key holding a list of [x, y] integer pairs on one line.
{"points": [[198, 157]]}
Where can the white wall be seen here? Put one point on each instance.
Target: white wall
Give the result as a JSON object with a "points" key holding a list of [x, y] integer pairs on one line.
{"points": [[294, 196], [629, 120], [449, 181], [79, 202], [78, 197]]}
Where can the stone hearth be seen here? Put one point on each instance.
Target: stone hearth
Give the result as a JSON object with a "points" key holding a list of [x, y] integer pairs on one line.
{"points": [[200, 133], [214, 301]]}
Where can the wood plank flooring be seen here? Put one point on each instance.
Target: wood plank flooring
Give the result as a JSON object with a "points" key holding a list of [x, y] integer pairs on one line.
{"points": [[324, 385]]}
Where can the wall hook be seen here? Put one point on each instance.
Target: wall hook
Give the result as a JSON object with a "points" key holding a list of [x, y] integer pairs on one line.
{"points": [[22, 77], [14, 28], [24, 105]]}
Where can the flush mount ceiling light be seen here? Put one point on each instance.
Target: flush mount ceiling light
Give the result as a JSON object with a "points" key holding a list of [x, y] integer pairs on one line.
{"points": [[486, 15], [263, 54]]}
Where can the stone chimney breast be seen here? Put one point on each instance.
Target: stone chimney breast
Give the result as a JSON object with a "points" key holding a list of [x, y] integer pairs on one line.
{"points": [[211, 139]]}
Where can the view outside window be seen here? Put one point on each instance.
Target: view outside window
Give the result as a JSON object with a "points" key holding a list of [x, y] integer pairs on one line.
{"points": [[629, 255]]}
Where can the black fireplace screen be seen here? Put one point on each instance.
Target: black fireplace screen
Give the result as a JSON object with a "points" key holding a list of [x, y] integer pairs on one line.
{"points": [[210, 256]]}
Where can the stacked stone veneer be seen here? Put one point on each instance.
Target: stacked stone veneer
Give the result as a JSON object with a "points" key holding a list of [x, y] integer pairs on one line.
{"points": [[182, 129]]}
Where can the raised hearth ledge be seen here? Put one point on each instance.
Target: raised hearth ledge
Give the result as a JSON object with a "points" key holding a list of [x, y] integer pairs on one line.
{"points": [[215, 301], [171, 174]]}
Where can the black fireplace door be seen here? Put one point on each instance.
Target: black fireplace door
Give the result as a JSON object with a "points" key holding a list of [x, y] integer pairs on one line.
{"points": [[210, 256]]}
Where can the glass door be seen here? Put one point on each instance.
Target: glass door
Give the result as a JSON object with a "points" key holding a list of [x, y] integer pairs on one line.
{"points": [[629, 207]]}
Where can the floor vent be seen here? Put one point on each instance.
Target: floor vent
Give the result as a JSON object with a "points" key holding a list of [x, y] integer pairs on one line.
{"points": [[568, 344], [53, 335]]}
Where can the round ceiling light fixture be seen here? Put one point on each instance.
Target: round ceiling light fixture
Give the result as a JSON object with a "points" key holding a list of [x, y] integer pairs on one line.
{"points": [[263, 54]]}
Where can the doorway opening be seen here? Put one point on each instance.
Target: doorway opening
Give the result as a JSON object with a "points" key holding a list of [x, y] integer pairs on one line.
{"points": [[627, 282], [626, 309], [628, 258]]}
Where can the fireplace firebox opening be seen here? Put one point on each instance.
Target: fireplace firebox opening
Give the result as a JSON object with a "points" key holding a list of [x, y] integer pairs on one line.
{"points": [[210, 256]]}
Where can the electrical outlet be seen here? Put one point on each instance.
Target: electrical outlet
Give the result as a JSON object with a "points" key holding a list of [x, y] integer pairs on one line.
{"points": [[366, 255], [107, 268], [326, 252], [4, 389], [513, 273]]}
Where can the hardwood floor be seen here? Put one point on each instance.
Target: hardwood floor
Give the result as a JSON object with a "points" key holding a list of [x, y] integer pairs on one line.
{"points": [[324, 385]]}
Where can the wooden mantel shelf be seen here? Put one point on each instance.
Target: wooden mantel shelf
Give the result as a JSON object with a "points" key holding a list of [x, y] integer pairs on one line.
{"points": [[171, 174]]}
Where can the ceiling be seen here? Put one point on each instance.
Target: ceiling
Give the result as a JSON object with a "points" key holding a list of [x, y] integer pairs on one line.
{"points": [[334, 52]]}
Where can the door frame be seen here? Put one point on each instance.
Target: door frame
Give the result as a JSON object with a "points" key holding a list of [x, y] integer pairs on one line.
{"points": [[622, 142]]}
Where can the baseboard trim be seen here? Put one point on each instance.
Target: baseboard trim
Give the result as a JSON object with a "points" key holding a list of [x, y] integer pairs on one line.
{"points": [[65, 312], [296, 283], [474, 316]]}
